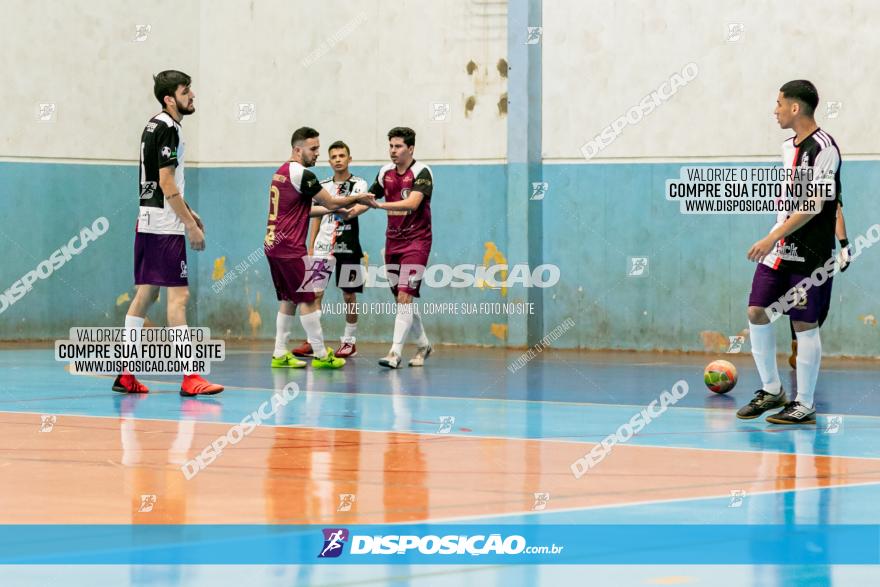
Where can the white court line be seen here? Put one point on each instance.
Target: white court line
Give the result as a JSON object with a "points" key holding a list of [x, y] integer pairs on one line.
{"points": [[538, 401], [642, 503], [474, 436]]}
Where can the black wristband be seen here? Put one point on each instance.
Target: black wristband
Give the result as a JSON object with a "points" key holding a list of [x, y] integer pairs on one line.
{"points": [[844, 243]]}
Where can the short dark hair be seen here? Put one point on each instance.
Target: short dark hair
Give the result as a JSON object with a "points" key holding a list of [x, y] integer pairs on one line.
{"points": [[407, 134], [804, 92], [165, 83], [303, 133], [339, 145]]}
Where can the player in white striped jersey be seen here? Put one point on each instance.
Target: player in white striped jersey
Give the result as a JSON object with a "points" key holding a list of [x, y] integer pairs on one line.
{"points": [[799, 244], [336, 236]]}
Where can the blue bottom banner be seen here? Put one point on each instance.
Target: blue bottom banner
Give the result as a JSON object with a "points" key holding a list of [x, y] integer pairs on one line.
{"points": [[440, 543]]}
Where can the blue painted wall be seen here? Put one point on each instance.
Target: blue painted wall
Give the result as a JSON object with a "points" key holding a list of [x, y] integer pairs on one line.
{"points": [[595, 217]]}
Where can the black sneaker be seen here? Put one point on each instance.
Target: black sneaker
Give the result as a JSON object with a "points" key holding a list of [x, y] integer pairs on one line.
{"points": [[762, 402], [794, 413]]}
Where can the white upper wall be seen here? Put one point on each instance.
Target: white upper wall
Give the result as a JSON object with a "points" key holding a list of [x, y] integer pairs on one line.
{"points": [[601, 57], [82, 57], [335, 65], [352, 70]]}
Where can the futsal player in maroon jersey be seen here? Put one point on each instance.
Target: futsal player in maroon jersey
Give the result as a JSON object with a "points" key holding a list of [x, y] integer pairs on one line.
{"points": [[291, 193], [406, 186]]}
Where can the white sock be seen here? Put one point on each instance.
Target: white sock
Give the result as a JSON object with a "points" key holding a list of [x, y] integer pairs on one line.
{"points": [[402, 323], [180, 345], [350, 330], [418, 329], [312, 325], [283, 326], [763, 340], [809, 358], [135, 323]]}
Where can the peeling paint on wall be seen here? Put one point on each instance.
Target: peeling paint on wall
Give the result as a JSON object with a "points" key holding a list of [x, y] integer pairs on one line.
{"points": [[499, 331], [493, 256], [219, 268]]}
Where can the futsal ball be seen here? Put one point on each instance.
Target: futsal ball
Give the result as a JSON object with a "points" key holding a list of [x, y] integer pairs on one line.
{"points": [[720, 376]]}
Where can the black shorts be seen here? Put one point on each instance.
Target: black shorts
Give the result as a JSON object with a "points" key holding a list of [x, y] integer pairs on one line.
{"points": [[353, 280]]}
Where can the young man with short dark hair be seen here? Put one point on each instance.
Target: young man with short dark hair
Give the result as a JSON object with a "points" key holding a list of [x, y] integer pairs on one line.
{"points": [[337, 235], [406, 187], [800, 242], [164, 218]]}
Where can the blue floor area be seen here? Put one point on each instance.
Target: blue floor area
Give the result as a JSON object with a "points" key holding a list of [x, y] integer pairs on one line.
{"points": [[578, 397], [575, 406], [561, 376], [447, 576]]}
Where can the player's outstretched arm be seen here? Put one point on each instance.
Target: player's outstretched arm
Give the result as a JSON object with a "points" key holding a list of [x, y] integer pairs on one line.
{"points": [[353, 211], [318, 211], [412, 202], [332, 203]]}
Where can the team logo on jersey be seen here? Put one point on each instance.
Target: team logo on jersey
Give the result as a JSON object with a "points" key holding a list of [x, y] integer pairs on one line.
{"points": [[805, 160], [344, 189], [183, 270], [404, 193], [334, 540], [167, 152], [148, 188], [788, 252]]}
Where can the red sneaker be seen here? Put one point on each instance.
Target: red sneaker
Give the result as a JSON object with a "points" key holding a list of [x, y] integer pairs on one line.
{"points": [[304, 350], [346, 350], [128, 383], [196, 385]]}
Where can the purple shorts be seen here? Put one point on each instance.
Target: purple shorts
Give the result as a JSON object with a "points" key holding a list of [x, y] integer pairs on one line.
{"points": [[413, 256], [289, 277], [771, 285], [160, 259]]}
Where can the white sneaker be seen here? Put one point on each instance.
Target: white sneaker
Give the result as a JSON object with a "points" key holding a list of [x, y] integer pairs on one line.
{"points": [[421, 354], [392, 360]]}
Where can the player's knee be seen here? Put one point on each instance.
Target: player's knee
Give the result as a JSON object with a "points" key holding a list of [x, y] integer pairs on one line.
{"points": [[349, 297], [803, 326], [178, 299], [758, 315], [147, 294]]}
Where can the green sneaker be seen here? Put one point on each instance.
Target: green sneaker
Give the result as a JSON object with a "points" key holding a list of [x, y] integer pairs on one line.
{"points": [[331, 361], [288, 361]]}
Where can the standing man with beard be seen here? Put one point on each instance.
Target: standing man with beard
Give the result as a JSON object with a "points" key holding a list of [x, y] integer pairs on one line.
{"points": [[164, 218], [291, 193]]}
